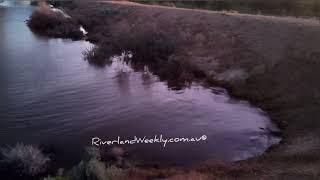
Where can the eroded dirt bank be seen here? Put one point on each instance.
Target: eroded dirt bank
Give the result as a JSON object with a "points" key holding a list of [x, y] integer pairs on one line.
{"points": [[272, 62]]}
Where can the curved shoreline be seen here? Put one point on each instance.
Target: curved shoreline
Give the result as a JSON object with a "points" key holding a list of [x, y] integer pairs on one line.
{"points": [[257, 58]]}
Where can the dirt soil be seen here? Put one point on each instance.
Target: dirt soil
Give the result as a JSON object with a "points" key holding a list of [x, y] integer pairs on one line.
{"points": [[273, 62]]}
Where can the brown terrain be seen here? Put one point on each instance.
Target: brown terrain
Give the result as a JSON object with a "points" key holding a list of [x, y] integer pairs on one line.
{"points": [[273, 62]]}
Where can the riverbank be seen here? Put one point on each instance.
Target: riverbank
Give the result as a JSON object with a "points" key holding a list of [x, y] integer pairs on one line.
{"points": [[272, 62], [296, 8]]}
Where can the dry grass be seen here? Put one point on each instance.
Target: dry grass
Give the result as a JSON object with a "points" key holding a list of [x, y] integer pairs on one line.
{"points": [[298, 8], [93, 168], [24, 160]]}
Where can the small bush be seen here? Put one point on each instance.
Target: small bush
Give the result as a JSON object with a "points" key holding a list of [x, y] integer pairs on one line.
{"points": [[92, 153], [24, 159], [44, 21], [92, 168], [114, 173], [98, 55], [96, 170]]}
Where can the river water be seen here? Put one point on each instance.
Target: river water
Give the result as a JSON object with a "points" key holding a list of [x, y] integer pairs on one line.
{"points": [[50, 96]]}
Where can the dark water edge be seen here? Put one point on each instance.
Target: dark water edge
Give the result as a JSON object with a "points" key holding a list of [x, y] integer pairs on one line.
{"points": [[296, 8]]}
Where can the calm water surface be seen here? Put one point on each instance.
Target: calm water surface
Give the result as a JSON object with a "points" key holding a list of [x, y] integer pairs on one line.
{"points": [[49, 95]]}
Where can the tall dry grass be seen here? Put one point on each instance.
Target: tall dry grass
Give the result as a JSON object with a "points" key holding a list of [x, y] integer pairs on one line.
{"points": [[24, 160]]}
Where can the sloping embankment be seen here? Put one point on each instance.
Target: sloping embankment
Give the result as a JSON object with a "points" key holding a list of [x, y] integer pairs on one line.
{"points": [[273, 62]]}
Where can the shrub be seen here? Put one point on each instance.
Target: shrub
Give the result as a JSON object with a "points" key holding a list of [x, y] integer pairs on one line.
{"points": [[24, 159], [96, 170], [51, 23], [98, 55], [114, 173], [92, 168]]}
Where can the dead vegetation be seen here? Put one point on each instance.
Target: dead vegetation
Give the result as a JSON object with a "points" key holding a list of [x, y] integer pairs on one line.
{"points": [[23, 160]]}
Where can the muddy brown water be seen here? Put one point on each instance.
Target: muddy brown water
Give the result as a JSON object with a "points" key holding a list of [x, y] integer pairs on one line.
{"points": [[50, 96]]}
